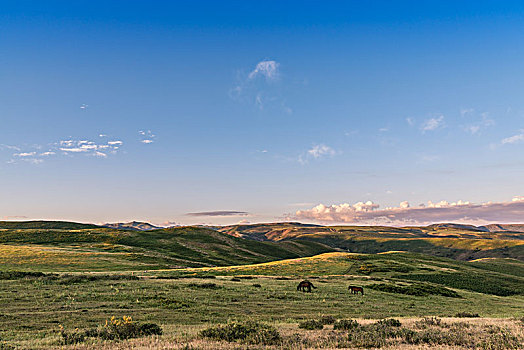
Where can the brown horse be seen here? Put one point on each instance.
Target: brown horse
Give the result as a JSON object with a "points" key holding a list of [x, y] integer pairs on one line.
{"points": [[305, 286], [355, 290]]}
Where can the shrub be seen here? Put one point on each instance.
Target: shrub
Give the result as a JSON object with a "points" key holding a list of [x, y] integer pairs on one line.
{"points": [[466, 314], [13, 275], [125, 328], [248, 332], [203, 285], [71, 337], [390, 322], [234, 279], [502, 339], [256, 285], [311, 324], [327, 320], [429, 321], [345, 325], [418, 289]]}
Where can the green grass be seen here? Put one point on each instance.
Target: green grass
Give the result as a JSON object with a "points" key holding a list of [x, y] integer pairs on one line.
{"points": [[103, 249]]}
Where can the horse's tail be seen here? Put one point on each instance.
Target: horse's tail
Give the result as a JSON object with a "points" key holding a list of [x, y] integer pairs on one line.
{"points": [[313, 285]]}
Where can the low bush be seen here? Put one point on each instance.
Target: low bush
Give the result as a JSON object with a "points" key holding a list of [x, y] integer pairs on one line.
{"points": [[247, 332], [234, 279], [311, 324], [71, 337], [327, 319], [345, 325], [113, 328], [389, 322], [257, 285], [418, 289], [467, 314], [70, 279], [429, 321], [13, 275], [203, 285], [125, 328]]}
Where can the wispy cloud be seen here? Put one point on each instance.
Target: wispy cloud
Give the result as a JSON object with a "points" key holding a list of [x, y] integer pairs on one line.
{"points": [[67, 147], [147, 137], [219, 213], [316, 152], [477, 123], [24, 154], [261, 87], [320, 150], [405, 214], [513, 139], [267, 69], [432, 123]]}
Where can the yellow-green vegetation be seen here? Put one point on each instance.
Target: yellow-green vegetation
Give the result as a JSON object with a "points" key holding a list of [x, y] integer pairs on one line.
{"points": [[102, 249], [198, 288], [448, 240]]}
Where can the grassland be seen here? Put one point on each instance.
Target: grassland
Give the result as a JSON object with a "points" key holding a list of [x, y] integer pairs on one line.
{"points": [[188, 279], [102, 249]]}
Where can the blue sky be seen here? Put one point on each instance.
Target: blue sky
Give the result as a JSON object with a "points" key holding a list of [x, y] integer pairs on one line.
{"points": [[220, 112]]}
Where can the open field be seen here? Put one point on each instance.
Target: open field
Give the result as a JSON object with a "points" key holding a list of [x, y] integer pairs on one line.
{"points": [[188, 279], [185, 301]]}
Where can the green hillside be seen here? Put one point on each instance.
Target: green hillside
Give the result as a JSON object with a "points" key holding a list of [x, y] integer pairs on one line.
{"points": [[98, 249], [462, 242]]}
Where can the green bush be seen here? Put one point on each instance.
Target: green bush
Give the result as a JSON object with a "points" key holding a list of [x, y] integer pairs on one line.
{"points": [[203, 285], [257, 285], [418, 289], [429, 321], [327, 319], [71, 337], [345, 325], [389, 322], [14, 275], [467, 314], [311, 324], [124, 328], [247, 332]]}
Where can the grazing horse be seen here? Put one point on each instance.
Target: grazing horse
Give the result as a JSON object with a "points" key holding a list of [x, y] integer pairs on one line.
{"points": [[305, 286], [355, 290]]}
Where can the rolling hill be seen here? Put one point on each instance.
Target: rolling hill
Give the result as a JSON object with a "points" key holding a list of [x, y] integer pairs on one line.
{"points": [[96, 249], [463, 242]]}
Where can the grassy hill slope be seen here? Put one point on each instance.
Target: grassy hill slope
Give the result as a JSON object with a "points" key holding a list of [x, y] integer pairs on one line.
{"points": [[461, 242], [97, 249]]}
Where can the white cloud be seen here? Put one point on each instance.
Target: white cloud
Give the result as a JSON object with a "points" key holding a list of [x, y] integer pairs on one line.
{"points": [[267, 69], [320, 150], [513, 139], [49, 153], [24, 154], [147, 136], [115, 143], [404, 214], [432, 123], [410, 121], [483, 123]]}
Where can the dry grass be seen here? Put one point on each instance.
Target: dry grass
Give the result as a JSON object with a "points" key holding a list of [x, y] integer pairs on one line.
{"points": [[187, 337]]}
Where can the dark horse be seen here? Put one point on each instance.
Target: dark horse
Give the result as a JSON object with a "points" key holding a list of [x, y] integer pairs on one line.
{"points": [[355, 290], [305, 286]]}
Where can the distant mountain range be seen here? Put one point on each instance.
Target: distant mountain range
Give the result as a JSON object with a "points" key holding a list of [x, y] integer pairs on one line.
{"points": [[133, 225]]}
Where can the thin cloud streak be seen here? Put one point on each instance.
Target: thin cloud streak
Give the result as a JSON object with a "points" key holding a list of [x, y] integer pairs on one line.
{"points": [[219, 213]]}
